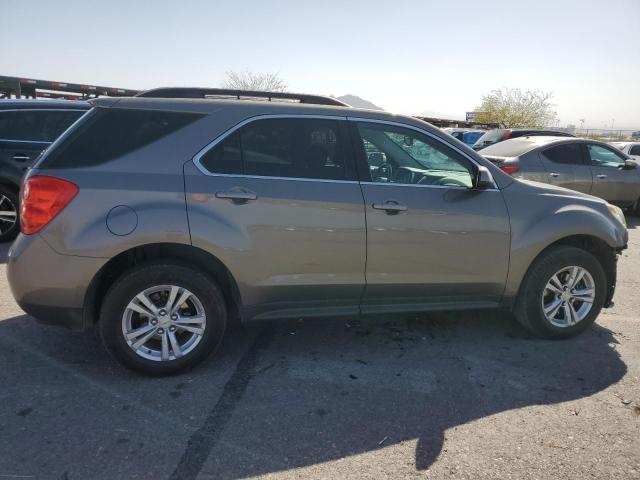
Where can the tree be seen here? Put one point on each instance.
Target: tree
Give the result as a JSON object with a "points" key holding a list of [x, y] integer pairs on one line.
{"points": [[513, 108], [266, 82]]}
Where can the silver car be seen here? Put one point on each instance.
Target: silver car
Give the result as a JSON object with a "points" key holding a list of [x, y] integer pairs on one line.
{"points": [[630, 148], [586, 166], [163, 218]]}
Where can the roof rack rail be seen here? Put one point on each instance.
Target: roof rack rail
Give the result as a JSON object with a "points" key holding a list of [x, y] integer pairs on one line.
{"points": [[187, 92]]}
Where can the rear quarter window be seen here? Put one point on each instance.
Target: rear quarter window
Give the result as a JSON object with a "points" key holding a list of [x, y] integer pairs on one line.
{"points": [[107, 134]]}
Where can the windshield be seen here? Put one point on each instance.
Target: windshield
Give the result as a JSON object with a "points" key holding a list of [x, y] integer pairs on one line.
{"points": [[490, 138], [469, 138]]}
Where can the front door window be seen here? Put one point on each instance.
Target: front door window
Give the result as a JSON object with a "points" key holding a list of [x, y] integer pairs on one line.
{"points": [[404, 156], [603, 157]]}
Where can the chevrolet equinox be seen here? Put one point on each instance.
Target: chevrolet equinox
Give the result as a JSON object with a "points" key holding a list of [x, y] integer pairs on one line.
{"points": [[160, 218]]}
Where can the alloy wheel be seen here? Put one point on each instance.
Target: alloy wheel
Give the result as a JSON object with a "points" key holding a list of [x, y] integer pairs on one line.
{"points": [[8, 214], [568, 296], [164, 323]]}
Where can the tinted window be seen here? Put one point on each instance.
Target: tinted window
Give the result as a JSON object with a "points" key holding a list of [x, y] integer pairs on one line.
{"points": [[604, 157], [107, 134], [634, 150], [294, 148], [517, 134], [400, 155], [224, 157], [569, 153], [36, 125]]}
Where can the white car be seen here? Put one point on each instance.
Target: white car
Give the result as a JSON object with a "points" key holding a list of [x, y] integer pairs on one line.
{"points": [[630, 148]]}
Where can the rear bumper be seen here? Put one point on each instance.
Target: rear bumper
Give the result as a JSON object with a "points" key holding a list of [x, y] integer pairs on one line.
{"points": [[47, 285]]}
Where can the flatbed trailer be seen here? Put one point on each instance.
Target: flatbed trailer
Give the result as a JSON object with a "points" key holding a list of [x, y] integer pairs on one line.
{"points": [[21, 87]]}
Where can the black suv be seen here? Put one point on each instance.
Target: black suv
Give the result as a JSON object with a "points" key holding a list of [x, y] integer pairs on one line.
{"points": [[501, 134], [27, 127]]}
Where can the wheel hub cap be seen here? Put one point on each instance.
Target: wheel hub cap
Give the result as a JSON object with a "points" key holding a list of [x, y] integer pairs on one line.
{"points": [[163, 323], [8, 214], [568, 296]]}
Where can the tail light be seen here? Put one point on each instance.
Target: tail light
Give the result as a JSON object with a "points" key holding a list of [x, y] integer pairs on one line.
{"points": [[506, 135], [510, 168], [43, 198]]}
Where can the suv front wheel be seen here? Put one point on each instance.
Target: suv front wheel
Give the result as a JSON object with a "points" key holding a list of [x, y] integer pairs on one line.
{"points": [[162, 318], [562, 293]]}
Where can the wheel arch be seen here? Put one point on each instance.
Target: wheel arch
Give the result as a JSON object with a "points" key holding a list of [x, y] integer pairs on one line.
{"points": [[194, 257], [600, 249]]}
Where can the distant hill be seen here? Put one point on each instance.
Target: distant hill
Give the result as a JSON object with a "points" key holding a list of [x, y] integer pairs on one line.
{"points": [[357, 102]]}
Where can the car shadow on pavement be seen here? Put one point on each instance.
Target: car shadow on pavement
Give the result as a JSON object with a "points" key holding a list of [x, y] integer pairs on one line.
{"points": [[633, 221], [280, 396]]}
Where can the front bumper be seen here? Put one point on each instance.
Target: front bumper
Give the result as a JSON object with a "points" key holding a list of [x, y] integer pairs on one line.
{"points": [[47, 285]]}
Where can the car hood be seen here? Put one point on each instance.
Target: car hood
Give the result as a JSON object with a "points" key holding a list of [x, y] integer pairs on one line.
{"points": [[546, 189]]}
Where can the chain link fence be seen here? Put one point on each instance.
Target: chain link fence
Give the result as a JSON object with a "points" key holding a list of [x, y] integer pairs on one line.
{"points": [[608, 134]]}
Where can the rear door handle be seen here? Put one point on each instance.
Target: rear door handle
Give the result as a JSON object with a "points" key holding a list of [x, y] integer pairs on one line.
{"points": [[390, 206], [21, 157], [554, 175], [601, 176], [238, 196]]}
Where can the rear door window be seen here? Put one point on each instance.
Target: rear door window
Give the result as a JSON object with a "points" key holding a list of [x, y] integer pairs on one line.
{"points": [[225, 157], [568, 153], [287, 147], [634, 150]]}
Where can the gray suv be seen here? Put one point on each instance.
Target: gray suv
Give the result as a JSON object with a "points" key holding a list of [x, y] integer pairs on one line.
{"points": [[161, 220]]}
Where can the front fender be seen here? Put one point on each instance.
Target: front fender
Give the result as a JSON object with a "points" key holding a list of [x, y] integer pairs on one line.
{"points": [[537, 223]]}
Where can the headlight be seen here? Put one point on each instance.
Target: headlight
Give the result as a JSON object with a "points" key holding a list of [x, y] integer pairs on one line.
{"points": [[618, 214]]}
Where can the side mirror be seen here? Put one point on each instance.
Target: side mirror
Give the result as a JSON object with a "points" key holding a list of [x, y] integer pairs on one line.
{"points": [[630, 164], [483, 179]]}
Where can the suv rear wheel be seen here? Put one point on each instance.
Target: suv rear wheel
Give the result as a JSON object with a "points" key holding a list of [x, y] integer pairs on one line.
{"points": [[562, 293], [162, 318], [9, 225]]}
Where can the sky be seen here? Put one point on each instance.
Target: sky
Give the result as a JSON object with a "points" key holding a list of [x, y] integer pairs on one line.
{"points": [[410, 57]]}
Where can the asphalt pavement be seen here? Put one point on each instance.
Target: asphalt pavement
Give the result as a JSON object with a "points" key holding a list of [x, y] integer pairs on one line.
{"points": [[464, 395]]}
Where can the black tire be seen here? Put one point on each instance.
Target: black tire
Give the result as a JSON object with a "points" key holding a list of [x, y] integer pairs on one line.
{"points": [[8, 201], [134, 281], [528, 309]]}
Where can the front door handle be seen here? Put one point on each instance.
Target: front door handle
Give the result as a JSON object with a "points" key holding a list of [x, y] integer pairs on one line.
{"points": [[21, 157], [601, 176], [554, 174], [390, 206], [237, 196]]}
